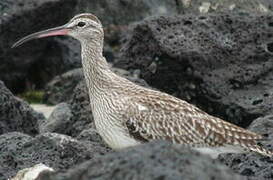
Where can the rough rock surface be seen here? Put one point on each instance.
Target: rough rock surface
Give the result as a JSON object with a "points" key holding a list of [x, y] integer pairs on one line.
{"points": [[16, 114], [58, 121], [10, 142], [82, 117], [253, 165], [92, 135], [217, 61], [208, 6], [57, 151], [123, 11], [60, 88], [150, 161], [21, 67]]}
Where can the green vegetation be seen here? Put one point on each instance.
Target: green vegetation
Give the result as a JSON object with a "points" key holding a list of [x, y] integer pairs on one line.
{"points": [[33, 96]]}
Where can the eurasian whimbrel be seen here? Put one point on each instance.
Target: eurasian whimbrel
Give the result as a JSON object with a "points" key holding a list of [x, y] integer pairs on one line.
{"points": [[126, 114]]}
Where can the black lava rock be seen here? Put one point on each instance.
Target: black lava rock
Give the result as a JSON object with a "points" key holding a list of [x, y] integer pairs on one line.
{"points": [[58, 121], [60, 89], [57, 151], [158, 160], [208, 6], [122, 12], [16, 114], [10, 142], [217, 61], [253, 165]]}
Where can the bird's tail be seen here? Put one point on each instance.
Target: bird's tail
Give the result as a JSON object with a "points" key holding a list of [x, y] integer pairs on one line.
{"points": [[260, 150], [249, 144]]}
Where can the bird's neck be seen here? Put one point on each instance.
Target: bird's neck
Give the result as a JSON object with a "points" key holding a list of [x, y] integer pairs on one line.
{"points": [[96, 69], [92, 57]]}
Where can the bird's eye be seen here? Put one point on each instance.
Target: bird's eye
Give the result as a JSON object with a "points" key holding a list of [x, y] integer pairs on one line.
{"points": [[81, 24]]}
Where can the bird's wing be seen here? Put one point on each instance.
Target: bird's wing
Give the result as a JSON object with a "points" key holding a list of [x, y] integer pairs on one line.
{"points": [[165, 117]]}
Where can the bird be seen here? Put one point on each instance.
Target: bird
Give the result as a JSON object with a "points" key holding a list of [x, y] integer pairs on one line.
{"points": [[126, 114]]}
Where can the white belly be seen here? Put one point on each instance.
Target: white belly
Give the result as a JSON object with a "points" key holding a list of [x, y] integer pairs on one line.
{"points": [[117, 139], [111, 132]]}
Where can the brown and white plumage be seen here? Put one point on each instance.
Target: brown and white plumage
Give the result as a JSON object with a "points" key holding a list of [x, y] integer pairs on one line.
{"points": [[126, 114], [162, 116]]}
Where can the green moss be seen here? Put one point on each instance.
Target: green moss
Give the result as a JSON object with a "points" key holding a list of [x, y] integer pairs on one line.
{"points": [[32, 96]]}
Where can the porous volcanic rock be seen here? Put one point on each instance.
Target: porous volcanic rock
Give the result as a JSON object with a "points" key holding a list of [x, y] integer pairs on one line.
{"points": [[158, 160], [82, 117], [57, 151], [220, 62], [16, 114], [58, 121], [253, 165], [92, 135], [60, 88], [122, 12], [10, 142], [208, 6]]}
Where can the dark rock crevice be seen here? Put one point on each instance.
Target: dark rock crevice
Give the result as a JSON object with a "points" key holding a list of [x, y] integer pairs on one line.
{"points": [[16, 114]]}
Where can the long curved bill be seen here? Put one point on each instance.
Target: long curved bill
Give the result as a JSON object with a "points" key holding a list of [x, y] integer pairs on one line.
{"points": [[58, 31]]}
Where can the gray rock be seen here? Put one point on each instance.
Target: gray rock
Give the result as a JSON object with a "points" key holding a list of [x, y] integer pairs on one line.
{"points": [[60, 88], [10, 142], [35, 63], [16, 114], [158, 160], [217, 61], [208, 6], [124, 11], [132, 75], [121, 12], [82, 117], [253, 165], [57, 151], [13, 140], [91, 135], [264, 126], [58, 121]]}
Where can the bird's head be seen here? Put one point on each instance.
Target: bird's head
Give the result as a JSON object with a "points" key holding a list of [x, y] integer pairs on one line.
{"points": [[82, 27]]}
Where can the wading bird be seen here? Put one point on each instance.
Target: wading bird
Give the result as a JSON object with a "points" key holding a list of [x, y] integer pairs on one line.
{"points": [[127, 114]]}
